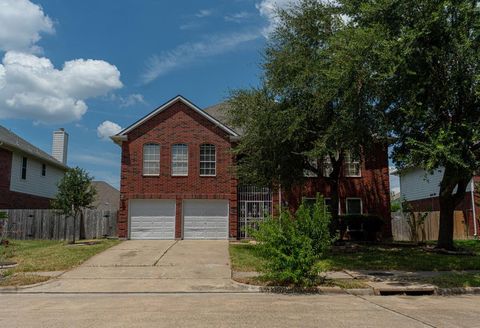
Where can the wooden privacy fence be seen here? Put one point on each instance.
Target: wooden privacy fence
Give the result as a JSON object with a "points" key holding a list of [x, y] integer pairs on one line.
{"points": [[402, 232], [50, 224]]}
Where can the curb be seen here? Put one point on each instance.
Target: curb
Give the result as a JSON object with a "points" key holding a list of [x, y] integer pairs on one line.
{"points": [[9, 289]]}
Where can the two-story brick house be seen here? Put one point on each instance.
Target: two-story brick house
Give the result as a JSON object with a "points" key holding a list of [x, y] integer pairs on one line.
{"points": [[178, 181], [28, 175]]}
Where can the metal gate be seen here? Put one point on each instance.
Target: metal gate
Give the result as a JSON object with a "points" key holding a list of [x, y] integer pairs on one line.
{"points": [[255, 203]]}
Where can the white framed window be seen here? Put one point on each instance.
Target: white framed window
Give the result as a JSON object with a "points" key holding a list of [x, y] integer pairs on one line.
{"points": [[354, 205], [327, 166], [352, 166], [151, 159], [308, 173], [208, 160], [180, 160]]}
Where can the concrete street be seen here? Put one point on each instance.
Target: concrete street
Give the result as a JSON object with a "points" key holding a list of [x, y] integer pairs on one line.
{"points": [[235, 310]]}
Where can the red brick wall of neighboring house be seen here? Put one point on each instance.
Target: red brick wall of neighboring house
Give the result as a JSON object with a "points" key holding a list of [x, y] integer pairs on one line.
{"points": [[433, 204], [373, 187], [15, 200], [177, 124]]}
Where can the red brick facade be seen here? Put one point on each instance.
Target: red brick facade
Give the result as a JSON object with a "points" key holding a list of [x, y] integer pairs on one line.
{"points": [[372, 187], [177, 124], [180, 124], [15, 200]]}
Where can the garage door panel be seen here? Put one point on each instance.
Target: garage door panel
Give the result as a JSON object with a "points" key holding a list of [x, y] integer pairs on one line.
{"points": [[205, 219], [152, 219]]}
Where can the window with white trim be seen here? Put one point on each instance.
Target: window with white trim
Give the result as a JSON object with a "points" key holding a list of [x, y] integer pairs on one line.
{"points": [[354, 206], [208, 160], [352, 166], [151, 159], [309, 173], [180, 160], [327, 166]]}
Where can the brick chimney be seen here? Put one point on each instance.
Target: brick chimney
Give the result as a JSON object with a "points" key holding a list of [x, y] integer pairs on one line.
{"points": [[60, 145]]}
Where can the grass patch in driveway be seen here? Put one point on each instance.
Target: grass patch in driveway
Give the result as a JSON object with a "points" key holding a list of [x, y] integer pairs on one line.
{"points": [[22, 279], [49, 255], [244, 258]]}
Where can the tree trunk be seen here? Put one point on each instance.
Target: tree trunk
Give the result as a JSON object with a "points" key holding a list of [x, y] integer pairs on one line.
{"points": [[448, 202], [334, 182], [74, 228], [445, 233], [82, 234]]}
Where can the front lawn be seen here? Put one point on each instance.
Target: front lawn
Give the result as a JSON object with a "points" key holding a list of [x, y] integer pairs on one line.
{"points": [[45, 255], [452, 280], [244, 258]]}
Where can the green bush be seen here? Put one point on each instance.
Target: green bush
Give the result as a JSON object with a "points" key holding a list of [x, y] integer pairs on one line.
{"points": [[291, 246]]}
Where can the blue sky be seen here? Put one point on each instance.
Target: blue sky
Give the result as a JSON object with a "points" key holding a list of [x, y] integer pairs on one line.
{"points": [[94, 66]]}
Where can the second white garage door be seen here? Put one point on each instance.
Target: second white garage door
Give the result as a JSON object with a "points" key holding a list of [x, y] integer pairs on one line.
{"points": [[152, 219], [205, 219]]}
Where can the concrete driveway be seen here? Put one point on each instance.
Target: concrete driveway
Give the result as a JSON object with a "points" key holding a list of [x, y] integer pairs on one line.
{"points": [[143, 266]]}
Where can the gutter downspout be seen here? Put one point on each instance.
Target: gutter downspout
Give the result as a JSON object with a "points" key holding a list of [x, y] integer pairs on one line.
{"points": [[472, 194]]}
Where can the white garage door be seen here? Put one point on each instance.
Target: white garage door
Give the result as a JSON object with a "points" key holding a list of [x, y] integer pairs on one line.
{"points": [[152, 219], [205, 219]]}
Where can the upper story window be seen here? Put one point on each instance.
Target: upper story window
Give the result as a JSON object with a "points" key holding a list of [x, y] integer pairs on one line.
{"points": [[44, 170], [309, 173], [151, 159], [352, 166], [24, 168], [327, 166], [208, 160], [180, 160]]}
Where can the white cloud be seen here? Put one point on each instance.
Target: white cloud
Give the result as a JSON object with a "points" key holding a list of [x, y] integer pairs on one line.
{"points": [[21, 25], [131, 100], [187, 53], [268, 9], [31, 87], [238, 17], [204, 13], [108, 129]]}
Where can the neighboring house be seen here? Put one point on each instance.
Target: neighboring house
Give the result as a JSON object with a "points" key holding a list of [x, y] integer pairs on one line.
{"points": [[28, 175], [177, 179], [108, 197], [421, 190]]}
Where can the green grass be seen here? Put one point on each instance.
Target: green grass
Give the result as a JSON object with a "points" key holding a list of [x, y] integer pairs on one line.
{"points": [[244, 258], [49, 255], [452, 280]]}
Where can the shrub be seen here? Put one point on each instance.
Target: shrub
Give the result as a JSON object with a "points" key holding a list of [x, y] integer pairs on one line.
{"points": [[291, 246]]}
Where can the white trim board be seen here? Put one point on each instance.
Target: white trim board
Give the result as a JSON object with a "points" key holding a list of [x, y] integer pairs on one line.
{"points": [[168, 104]]}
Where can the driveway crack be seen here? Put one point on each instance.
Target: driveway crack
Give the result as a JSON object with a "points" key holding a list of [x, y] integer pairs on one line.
{"points": [[397, 312], [161, 256]]}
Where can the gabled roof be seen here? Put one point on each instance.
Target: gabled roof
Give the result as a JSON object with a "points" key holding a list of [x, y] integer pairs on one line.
{"points": [[122, 134], [11, 141], [219, 111]]}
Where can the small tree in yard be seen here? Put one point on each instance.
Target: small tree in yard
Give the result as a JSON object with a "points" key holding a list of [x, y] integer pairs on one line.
{"points": [[75, 193], [292, 245]]}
